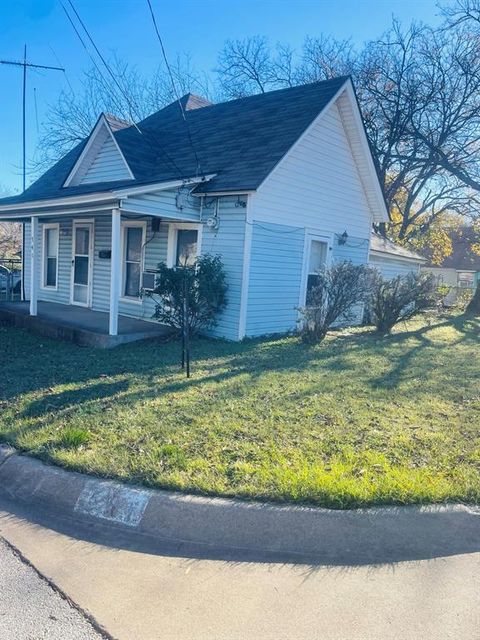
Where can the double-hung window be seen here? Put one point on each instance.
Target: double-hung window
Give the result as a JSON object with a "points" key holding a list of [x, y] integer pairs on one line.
{"points": [[186, 249], [50, 255], [184, 242], [133, 243]]}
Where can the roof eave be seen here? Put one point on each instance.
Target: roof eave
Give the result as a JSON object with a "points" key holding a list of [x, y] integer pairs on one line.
{"points": [[105, 197], [397, 256]]}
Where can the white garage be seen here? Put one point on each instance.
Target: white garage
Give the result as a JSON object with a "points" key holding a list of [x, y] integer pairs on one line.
{"points": [[391, 259]]}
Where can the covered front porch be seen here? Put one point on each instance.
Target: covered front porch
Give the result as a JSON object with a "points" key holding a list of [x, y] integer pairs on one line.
{"points": [[88, 264], [78, 324]]}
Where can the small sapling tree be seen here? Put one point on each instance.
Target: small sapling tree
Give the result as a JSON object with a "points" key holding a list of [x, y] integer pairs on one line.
{"points": [[189, 298]]}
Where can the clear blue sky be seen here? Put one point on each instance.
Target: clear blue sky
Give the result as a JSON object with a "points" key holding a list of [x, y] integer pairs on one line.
{"points": [[198, 27]]}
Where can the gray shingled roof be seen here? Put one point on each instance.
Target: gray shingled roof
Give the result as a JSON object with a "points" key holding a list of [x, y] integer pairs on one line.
{"points": [[383, 245], [241, 141]]}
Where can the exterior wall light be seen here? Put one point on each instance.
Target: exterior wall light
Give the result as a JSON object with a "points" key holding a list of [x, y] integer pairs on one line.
{"points": [[343, 238]]}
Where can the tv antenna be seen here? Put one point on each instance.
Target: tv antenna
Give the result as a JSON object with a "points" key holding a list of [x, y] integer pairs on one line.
{"points": [[25, 65]]}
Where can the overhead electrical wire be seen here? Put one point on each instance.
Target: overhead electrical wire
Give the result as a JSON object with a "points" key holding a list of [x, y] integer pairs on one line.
{"points": [[61, 65], [118, 105], [169, 70], [133, 112], [105, 64]]}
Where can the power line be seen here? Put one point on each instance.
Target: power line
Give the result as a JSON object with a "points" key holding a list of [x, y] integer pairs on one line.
{"points": [[105, 63], [107, 67], [174, 86], [118, 105], [59, 62]]}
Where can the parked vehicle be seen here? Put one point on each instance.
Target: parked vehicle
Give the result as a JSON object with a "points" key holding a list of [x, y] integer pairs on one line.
{"points": [[10, 281]]}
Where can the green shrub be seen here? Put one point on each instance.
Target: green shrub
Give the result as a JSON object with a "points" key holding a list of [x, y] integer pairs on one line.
{"points": [[202, 286]]}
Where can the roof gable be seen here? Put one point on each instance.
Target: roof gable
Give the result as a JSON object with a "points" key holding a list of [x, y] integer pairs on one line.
{"points": [[101, 159], [353, 123], [240, 141]]}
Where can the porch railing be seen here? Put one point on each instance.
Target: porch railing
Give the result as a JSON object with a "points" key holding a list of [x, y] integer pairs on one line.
{"points": [[10, 279]]}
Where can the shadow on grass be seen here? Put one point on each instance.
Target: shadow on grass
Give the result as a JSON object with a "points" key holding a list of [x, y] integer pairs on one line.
{"points": [[464, 325], [68, 399], [155, 363]]}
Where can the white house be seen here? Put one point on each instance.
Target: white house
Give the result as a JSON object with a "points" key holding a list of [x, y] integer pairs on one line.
{"points": [[277, 184]]}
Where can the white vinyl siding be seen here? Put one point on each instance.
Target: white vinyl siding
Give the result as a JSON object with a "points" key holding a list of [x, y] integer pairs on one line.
{"points": [[317, 185], [391, 267], [276, 266], [108, 165], [315, 190], [227, 241]]}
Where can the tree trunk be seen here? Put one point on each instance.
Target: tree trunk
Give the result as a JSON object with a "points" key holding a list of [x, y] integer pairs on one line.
{"points": [[473, 308]]}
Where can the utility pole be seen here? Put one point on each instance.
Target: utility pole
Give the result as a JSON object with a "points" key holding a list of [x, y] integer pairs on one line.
{"points": [[25, 65]]}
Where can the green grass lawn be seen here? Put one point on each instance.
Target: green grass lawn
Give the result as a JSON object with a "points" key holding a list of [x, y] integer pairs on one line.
{"points": [[357, 420]]}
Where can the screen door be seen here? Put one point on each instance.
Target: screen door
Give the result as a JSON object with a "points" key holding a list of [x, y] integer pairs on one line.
{"points": [[82, 263]]}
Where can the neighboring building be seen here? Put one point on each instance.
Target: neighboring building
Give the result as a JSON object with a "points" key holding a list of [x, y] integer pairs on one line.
{"points": [[393, 260], [459, 281], [278, 184], [461, 278], [461, 270]]}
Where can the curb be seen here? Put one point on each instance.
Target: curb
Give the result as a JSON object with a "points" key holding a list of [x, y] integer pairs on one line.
{"points": [[371, 535]]}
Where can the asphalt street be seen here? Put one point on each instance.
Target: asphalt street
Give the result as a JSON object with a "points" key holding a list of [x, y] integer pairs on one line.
{"points": [[30, 609]]}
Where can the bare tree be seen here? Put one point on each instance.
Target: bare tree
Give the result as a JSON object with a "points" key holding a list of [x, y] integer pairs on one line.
{"points": [[10, 239], [325, 57], [71, 118], [10, 233], [245, 67], [395, 77]]}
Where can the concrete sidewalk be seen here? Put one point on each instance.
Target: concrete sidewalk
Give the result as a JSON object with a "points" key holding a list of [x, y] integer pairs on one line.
{"points": [[156, 595]]}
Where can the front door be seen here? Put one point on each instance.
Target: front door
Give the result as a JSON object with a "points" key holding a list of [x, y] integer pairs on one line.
{"points": [[82, 263]]}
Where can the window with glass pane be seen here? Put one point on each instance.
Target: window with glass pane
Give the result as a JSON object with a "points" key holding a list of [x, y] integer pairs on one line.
{"points": [[82, 240], [50, 250], [186, 247], [316, 263], [133, 260]]}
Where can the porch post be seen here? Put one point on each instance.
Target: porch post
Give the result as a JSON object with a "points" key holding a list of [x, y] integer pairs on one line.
{"points": [[34, 240], [115, 271]]}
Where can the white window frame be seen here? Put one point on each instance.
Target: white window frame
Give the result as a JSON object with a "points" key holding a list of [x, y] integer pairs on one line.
{"points": [[310, 235], [173, 229], [49, 225], [126, 224]]}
